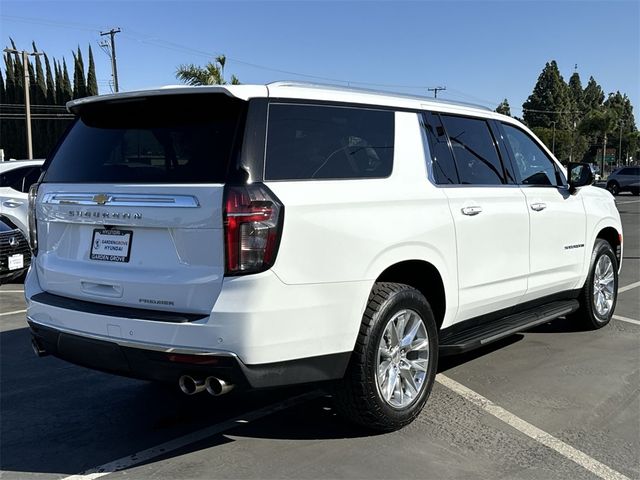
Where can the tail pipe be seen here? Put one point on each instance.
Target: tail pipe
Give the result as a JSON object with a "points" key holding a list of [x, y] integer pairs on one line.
{"points": [[217, 386], [37, 348], [190, 385]]}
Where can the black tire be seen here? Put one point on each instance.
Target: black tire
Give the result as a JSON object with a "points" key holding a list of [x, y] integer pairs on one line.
{"points": [[358, 397], [587, 314], [614, 188]]}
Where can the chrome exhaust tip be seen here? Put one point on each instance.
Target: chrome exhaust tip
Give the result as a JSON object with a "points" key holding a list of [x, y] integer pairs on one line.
{"points": [[190, 385], [37, 349], [217, 386]]}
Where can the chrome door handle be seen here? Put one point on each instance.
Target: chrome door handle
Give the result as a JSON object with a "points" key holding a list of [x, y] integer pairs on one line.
{"points": [[11, 204], [538, 206], [471, 211]]}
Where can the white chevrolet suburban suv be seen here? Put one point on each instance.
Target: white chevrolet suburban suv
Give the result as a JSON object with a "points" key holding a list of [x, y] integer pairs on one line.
{"points": [[256, 236]]}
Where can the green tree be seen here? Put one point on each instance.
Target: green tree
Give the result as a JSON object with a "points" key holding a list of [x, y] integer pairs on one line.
{"points": [[79, 83], [504, 108], [92, 82], [597, 125], [51, 89], [10, 83], [67, 89], [593, 96], [40, 81], [549, 102], [211, 74]]}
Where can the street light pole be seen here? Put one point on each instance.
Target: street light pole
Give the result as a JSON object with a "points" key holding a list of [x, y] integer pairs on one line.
{"points": [[553, 142], [27, 101]]}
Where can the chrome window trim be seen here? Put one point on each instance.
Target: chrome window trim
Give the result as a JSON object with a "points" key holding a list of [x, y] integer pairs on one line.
{"points": [[121, 200]]}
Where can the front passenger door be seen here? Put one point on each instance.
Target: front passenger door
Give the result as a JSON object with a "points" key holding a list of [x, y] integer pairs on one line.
{"points": [[557, 219]]}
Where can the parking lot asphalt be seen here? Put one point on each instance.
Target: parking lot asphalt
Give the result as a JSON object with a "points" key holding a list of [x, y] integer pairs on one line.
{"points": [[553, 402]]}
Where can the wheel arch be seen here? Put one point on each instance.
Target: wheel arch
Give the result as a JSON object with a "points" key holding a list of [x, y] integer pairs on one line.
{"points": [[614, 238], [424, 277]]}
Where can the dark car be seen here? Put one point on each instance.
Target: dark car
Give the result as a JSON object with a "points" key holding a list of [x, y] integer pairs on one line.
{"points": [[626, 179], [15, 254]]}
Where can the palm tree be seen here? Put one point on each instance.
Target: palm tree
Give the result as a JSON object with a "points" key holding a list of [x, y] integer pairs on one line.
{"points": [[211, 74]]}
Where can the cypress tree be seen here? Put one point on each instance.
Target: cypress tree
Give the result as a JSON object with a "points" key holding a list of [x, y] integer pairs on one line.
{"points": [[39, 82], [3, 92], [67, 89], [92, 82], [577, 95], [51, 90], [58, 83], [11, 83], [79, 83]]}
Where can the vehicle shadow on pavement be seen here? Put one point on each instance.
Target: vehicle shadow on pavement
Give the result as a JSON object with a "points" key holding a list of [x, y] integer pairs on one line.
{"points": [[60, 418]]}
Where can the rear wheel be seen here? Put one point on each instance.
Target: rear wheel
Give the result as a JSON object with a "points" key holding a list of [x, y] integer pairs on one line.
{"points": [[394, 362], [599, 294], [613, 187]]}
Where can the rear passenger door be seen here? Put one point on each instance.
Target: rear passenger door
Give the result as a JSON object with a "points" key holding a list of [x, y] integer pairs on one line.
{"points": [[557, 218], [488, 210]]}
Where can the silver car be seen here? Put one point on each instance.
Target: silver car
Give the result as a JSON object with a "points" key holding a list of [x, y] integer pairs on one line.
{"points": [[625, 179]]}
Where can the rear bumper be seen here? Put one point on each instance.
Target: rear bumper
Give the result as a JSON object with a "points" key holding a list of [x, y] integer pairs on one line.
{"points": [[168, 365]]}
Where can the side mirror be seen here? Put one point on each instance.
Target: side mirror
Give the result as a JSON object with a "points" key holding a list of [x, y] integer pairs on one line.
{"points": [[579, 174]]}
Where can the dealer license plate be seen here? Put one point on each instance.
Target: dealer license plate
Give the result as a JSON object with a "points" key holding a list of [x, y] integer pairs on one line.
{"points": [[111, 245], [16, 261]]}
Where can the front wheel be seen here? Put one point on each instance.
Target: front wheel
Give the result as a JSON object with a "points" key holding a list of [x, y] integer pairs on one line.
{"points": [[614, 188], [394, 362], [600, 292]]}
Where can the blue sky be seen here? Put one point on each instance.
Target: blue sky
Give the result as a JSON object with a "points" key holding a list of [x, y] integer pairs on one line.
{"points": [[481, 51]]}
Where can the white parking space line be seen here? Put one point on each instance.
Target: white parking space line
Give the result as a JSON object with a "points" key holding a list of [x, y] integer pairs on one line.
{"points": [[629, 287], [12, 313], [625, 319], [191, 438], [630, 201], [564, 449], [11, 291]]}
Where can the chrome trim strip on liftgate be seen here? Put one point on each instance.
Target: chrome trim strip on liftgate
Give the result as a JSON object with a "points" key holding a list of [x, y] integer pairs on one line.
{"points": [[121, 200]]}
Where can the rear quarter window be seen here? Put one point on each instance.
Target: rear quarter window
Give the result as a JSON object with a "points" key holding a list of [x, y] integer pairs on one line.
{"points": [[328, 142]]}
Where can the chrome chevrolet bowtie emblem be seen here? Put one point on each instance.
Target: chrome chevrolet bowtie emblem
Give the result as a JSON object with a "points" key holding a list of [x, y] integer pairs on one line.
{"points": [[101, 198]]}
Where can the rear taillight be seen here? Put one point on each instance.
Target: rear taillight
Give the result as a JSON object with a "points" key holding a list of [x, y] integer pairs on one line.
{"points": [[33, 225], [252, 226]]}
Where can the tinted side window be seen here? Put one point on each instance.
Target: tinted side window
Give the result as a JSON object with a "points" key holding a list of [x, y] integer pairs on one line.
{"points": [[474, 150], [532, 163], [442, 165], [312, 141], [20, 179]]}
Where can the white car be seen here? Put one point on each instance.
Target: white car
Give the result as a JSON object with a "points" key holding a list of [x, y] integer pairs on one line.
{"points": [[255, 236], [16, 177]]}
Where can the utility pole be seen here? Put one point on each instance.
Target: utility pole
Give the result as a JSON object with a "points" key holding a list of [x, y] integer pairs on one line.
{"points": [[27, 101], [114, 67], [620, 144], [435, 90], [553, 142]]}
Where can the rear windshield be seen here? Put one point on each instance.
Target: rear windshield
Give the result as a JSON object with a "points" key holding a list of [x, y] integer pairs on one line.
{"points": [[164, 139]]}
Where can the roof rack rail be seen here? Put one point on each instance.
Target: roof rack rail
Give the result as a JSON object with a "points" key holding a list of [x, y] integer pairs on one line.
{"points": [[337, 87]]}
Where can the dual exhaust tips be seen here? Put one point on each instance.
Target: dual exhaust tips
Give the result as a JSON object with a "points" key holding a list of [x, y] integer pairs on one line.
{"points": [[213, 385]]}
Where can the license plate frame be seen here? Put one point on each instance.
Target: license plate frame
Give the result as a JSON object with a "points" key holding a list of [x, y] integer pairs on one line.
{"points": [[101, 246]]}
